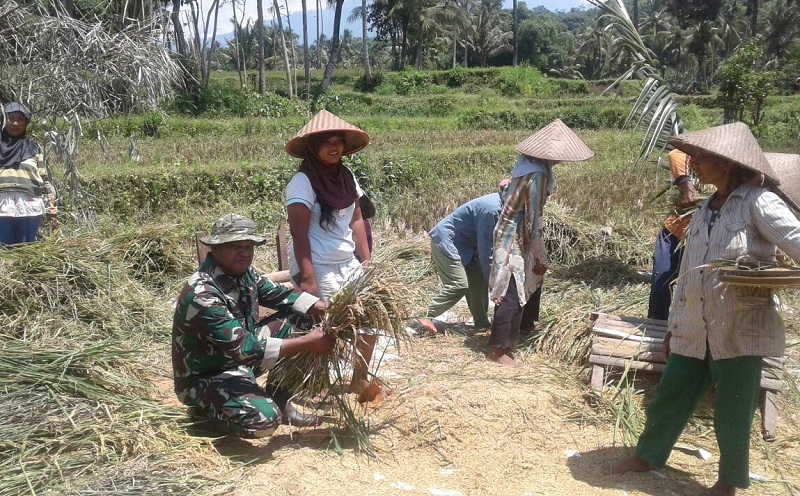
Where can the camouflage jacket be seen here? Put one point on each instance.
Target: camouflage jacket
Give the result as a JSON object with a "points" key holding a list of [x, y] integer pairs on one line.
{"points": [[214, 326]]}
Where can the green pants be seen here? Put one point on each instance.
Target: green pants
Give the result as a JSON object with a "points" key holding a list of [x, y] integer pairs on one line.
{"points": [[685, 381], [459, 281]]}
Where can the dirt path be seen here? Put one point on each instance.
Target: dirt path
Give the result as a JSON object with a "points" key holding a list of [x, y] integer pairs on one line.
{"points": [[458, 425]]}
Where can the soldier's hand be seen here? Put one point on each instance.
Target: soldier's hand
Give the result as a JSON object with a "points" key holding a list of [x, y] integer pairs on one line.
{"points": [[318, 342]]}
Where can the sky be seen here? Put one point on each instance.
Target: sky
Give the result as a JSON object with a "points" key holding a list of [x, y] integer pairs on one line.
{"points": [[295, 7]]}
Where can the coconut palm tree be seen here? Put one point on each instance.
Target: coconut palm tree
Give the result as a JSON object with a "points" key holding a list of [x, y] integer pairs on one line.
{"points": [[333, 57], [654, 109], [361, 13]]}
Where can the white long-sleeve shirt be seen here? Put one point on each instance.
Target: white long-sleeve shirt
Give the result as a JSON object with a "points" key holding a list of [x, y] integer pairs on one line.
{"points": [[732, 320]]}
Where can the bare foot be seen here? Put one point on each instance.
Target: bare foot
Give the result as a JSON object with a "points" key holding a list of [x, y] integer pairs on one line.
{"points": [[499, 355], [630, 464], [357, 386], [428, 329], [721, 489]]}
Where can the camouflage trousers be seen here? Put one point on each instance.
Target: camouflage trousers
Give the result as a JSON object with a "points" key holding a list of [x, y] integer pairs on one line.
{"points": [[233, 402]]}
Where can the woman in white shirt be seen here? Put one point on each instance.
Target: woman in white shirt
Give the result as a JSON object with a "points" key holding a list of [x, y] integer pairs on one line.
{"points": [[325, 219], [717, 332]]}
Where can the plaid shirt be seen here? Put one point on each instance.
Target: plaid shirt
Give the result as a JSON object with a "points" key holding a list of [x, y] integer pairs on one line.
{"points": [[732, 320], [214, 325]]}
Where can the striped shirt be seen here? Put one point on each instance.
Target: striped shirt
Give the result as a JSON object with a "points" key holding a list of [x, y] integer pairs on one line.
{"points": [[731, 320], [22, 188], [519, 248]]}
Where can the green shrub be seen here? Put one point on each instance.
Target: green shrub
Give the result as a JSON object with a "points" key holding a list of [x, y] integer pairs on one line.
{"points": [[587, 117]]}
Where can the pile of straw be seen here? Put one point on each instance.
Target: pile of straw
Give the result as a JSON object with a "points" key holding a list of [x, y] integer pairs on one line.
{"points": [[77, 410]]}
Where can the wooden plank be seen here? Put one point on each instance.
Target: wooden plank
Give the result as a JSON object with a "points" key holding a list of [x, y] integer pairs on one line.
{"points": [[622, 363], [621, 326], [202, 249], [626, 344], [281, 246], [769, 413], [642, 356], [598, 377], [630, 321], [614, 333]]}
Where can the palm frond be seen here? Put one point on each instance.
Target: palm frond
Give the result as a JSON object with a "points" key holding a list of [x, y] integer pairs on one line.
{"points": [[654, 110]]}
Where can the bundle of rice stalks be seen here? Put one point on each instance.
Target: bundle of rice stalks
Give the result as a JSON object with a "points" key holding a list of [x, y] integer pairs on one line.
{"points": [[75, 283], [77, 358], [378, 302], [571, 239], [564, 329], [152, 255]]}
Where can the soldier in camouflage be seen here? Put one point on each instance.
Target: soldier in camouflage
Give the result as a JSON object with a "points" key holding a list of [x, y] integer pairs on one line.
{"points": [[218, 343]]}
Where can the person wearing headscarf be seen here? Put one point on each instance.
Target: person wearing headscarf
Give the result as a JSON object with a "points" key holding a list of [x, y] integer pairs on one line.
{"points": [[718, 333], [519, 259], [325, 218], [24, 180]]}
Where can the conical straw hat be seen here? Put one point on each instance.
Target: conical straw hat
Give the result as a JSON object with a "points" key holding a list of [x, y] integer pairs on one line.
{"points": [[787, 168], [323, 121], [557, 142], [732, 142]]}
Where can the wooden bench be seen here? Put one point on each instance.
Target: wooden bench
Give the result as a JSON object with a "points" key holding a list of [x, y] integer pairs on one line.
{"points": [[632, 343]]}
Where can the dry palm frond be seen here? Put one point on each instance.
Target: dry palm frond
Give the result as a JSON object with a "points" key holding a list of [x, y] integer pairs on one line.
{"points": [[379, 301]]}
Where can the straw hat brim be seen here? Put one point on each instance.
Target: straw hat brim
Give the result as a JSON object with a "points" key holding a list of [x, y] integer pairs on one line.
{"points": [[556, 142], [787, 167], [730, 142], [325, 122]]}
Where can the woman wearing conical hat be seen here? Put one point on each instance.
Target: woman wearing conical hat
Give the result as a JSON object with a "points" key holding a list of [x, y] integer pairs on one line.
{"points": [[325, 218], [718, 332], [519, 258]]}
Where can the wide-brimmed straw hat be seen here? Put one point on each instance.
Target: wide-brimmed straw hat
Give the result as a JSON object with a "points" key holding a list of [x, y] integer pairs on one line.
{"points": [[732, 142], [325, 122], [556, 142], [230, 228], [787, 168]]}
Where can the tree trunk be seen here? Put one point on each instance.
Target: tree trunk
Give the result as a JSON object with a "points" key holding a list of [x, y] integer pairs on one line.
{"points": [[180, 38], [261, 75], [455, 46], [306, 60], [290, 89], [635, 19], [515, 32], [209, 53], [237, 45], [333, 57], [294, 54], [365, 46], [319, 33], [753, 18]]}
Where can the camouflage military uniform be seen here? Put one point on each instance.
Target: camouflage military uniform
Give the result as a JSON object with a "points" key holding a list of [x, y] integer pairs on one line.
{"points": [[216, 346]]}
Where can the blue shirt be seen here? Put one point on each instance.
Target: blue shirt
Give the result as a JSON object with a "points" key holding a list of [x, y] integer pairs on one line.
{"points": [[467, 232]]}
